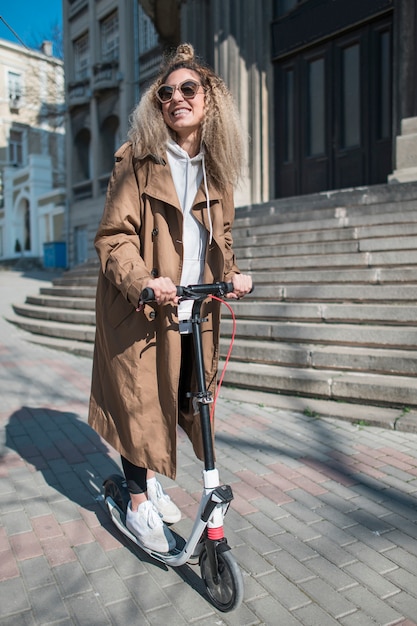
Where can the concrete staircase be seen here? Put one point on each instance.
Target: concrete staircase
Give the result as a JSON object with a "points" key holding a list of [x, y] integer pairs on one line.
{"points": [[334, 312]]}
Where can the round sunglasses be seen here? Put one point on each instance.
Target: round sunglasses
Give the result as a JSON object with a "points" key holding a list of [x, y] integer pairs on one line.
{"points": [[188, 89]]}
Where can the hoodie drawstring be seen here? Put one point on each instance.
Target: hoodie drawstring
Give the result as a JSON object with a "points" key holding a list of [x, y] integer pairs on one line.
{"points": [[207, 199]]}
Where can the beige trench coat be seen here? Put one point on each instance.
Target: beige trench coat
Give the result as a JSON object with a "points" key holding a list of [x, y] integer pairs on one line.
{"points": [[136, 366]]}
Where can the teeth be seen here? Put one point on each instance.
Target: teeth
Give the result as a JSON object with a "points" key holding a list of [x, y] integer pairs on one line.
{"points": [[180, 111]]}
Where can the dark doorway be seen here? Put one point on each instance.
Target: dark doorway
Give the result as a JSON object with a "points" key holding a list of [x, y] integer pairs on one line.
{"points": [[334, 113]]}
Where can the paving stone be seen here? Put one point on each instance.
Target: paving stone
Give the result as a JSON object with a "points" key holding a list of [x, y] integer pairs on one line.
{"points": [[87, 609], [271, 612], [287, 593], [333, 602], [16, 522], [108, 585], [404, 603], [335, 576], [92, 557], [314, 615], [72, 579], [382, 612], [291, 567], [47, 604], [13, 597], [36, 572], [377, 584], [126, 612]]}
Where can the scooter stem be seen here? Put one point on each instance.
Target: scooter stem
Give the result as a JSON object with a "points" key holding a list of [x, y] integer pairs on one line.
{"points": [[203, 396]]}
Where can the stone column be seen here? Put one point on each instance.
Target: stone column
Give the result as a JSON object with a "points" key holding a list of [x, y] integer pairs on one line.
{"points": [[405, 91], [406, 153]]}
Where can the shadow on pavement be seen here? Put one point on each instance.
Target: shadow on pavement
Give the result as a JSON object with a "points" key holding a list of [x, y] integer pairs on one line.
{"points": [[73, 461]]}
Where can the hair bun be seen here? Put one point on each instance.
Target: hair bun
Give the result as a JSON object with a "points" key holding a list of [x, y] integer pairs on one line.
{"points": [[184, 52]]}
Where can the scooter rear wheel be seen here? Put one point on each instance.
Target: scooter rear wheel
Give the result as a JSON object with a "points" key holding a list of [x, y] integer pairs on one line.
{"points": [[227, 594], [115, 488]]}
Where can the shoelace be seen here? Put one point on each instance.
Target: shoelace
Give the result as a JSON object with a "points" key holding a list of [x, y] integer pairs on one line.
{"points": [[160, 494], [153, 518]]}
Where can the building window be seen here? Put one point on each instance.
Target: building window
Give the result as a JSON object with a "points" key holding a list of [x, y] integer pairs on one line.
{"points": [[148, 36], [316, 107], [81, 57], [289, 104], [16, 147], [81, 165], [384, 84], [15, 88], [110, 38], [351, 97], [109, 140]]}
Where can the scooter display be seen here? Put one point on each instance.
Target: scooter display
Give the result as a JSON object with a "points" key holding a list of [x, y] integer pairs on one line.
{"points": [[219, 570]]}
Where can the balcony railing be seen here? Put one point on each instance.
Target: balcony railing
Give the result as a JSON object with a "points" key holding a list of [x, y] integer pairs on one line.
{"points": [[82, 190], [76, 6], [79, 92], [106, 75]]}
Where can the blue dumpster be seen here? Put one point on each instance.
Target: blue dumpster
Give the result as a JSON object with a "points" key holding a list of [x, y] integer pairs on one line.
{"points": [[55, 254]]}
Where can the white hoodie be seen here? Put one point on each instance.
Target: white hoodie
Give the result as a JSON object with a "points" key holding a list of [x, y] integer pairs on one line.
{"points": [[187, 174]]}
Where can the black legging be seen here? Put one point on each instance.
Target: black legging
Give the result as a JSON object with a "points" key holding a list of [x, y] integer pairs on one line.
{"points": [[136, 476]]}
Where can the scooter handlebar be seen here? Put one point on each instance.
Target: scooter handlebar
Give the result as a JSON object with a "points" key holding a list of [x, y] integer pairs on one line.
{"points": [[192, 292]]}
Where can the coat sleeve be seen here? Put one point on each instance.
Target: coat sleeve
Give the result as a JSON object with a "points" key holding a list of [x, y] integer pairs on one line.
{"points": [[230, 266], [117, 240]]}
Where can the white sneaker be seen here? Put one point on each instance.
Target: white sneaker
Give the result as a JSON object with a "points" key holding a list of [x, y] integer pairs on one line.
{"points": [[166, 508], [147, 525]]}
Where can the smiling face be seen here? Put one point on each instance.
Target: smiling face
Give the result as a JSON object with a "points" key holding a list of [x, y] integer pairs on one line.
{"points": [[184, 116]]}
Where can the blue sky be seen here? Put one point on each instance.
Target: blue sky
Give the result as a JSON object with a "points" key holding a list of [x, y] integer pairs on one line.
{"points": [[31, 20]]}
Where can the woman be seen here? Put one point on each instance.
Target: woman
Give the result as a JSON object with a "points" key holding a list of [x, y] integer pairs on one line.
{"points": [[167, 221]]}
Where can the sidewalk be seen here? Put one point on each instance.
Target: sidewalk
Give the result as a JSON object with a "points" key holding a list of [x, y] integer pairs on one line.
{"points": [[323, 523]]}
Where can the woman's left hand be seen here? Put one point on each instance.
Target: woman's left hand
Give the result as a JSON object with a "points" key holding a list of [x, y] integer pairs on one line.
{"points": [[242, 284]]}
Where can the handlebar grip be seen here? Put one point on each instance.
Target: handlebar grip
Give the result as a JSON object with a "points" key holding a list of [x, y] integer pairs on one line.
{"points": [[148, 294], [192, 291]]}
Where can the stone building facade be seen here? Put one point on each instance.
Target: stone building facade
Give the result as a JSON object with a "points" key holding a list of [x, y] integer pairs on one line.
{"points": [[32, 151], [324, 88]]}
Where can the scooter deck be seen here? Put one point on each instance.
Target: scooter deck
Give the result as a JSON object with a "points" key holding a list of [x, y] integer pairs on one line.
{"points": [[119, 519]]}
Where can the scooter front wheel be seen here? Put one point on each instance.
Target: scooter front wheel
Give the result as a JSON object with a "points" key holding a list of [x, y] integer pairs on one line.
{"points": [[227, 593]]}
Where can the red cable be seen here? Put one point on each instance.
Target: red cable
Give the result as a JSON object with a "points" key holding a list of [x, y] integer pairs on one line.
{"points": [[232, 340]]}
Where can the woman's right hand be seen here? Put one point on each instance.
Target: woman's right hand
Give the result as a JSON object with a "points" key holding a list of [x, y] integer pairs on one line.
{"points": [[164, 289]]}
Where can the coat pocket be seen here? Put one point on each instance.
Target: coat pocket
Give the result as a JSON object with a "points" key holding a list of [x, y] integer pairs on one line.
{"points": [[119, 310]]}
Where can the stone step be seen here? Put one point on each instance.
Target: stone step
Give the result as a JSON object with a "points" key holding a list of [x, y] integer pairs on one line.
{"points": [[80, 348], [395, 314], [353, 387], [328, 230], [57, 302], [60, 330], [69, 291], [321, 248], [88, 280], [318, 261], [362, 202], [376, 336], [317, 357], [375, 275], [378, 244], [68, 316], [337, 293]]}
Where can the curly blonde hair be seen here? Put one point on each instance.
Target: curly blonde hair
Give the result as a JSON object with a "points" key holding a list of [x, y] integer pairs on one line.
{"points": [[221, 132]]}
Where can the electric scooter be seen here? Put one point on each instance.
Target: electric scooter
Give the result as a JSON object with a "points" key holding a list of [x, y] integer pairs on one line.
{"points": [[219, 571]]}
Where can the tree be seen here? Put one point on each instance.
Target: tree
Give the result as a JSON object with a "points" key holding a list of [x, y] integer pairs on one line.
{"points": [[55, 36]]}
